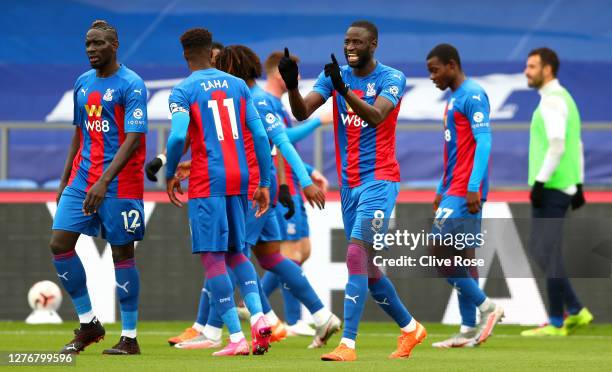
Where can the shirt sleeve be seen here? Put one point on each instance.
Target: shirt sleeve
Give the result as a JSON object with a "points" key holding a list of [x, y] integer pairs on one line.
{"points": [[323, 86], [393, 87], [136, 107], [477, 111], [178, 102], [554, 113], [272, 123], [76, 118]]}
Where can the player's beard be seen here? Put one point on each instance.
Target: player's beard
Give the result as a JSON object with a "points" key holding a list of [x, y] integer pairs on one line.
{"points": [[536, 81], [363, 58]]}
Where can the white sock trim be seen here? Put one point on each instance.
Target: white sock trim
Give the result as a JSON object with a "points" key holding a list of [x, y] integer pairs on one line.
{"points": [[163, 158], [410, 327], [131, 333], [272, 318], [255, 318], [485, 305], [321, 316], [348, 342], [236, 337], [198, 327], [212, 333], [86, 317]]}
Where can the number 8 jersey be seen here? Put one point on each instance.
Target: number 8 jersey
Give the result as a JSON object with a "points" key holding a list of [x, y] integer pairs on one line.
{"points": [[219, 106], [105, 109]]}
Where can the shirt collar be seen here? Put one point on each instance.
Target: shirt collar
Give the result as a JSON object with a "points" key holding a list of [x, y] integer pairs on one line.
{"points": [[549, 87]]}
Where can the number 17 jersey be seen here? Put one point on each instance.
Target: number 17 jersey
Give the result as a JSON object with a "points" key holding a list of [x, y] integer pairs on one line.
{"points": [[219, 106]]}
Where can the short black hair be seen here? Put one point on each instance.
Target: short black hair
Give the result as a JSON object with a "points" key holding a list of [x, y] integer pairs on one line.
{"points": [[371, 27], [445, 53], [240, 61], [197, 38], [548, 57], [102, 25], [216, 45]]}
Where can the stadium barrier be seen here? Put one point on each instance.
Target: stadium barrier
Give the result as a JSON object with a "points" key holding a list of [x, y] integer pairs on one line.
{"points": [[170, 275]]}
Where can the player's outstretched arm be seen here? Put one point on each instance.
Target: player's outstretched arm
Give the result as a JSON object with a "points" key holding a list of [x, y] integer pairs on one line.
{"points": [[74, 148], [174, 150], [301, 107], [313, 194], [96, 193]]}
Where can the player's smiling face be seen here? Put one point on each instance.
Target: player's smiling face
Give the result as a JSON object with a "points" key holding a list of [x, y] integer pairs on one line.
{"points": [[100, 49], [439, 73], [359, 47]]}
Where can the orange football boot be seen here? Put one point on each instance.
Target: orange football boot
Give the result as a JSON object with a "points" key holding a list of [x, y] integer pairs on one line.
{"points": [[188, 334], [279, 332], [342, 353], [407, 341]]}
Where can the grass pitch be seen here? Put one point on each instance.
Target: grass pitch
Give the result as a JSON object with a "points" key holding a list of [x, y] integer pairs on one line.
{"points": [[589, 349]]}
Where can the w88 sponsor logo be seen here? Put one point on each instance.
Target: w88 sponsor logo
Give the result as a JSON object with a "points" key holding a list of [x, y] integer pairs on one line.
{"points": [[97, 126], [353, 120]]}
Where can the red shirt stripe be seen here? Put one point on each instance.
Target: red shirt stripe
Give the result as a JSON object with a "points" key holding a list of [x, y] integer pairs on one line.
{"points": [[199, 179], [96, 168], [466, 148], [387, 167], [130, 180]]}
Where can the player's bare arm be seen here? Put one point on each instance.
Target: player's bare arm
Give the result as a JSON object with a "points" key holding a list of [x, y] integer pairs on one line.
{"points": [[96, 194], [74, 148]]}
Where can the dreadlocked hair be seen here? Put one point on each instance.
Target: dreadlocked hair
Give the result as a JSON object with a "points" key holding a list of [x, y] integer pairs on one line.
{"points": [[239, 61], [102, 25]]}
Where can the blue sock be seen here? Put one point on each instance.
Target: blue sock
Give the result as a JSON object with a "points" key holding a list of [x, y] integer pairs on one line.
{"points": [[265, 303], [293, 307], [128, 288], [354, 302], [222, 293], [355, 290], [385, 295], [468, 288], [269, 283], [203, 306], [292, 277], [467, 309], [213, 317], [72, 274], [246, 278]]}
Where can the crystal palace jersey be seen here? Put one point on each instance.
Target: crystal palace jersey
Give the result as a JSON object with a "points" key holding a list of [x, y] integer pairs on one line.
{"points": [[466, 114], [365, 153], [105, 110], [219, 106]]}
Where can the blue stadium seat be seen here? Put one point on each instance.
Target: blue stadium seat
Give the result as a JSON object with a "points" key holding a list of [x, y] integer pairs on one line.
{"points": [[51, 185], [18, 185]]}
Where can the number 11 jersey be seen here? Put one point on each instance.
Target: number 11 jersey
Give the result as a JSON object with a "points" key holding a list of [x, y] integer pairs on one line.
{"points": [[219, 106]]}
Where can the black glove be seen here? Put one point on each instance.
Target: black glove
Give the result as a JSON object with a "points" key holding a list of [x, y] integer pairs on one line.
{"points": [[288, 70], [152, 167], [284, 197], [333, 71], [578, 198], [537, 193]]}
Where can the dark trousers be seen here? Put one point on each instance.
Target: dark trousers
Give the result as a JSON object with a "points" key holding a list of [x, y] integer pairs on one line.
{"points": [[546, 249]]}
